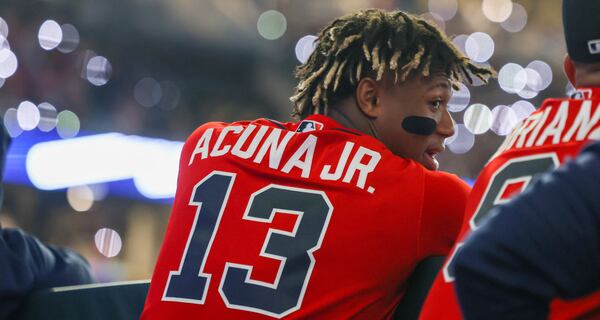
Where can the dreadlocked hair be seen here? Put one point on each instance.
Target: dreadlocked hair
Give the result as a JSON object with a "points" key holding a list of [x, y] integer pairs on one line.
{"points": [[370, 43]]}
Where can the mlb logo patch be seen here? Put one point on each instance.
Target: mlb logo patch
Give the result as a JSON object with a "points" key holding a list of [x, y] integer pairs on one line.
{"points": [[594, 46], [309, 125]]}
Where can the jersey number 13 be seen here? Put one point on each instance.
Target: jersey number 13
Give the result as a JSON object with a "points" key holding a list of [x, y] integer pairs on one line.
{"points": [[294, 250]]}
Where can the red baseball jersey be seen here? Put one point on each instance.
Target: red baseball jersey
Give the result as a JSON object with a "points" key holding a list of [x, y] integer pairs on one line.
{"points": [[554, 133], [297, 220]]}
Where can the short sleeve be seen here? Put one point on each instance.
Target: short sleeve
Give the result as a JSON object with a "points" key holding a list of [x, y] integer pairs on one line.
{"points": [[445, 198]]}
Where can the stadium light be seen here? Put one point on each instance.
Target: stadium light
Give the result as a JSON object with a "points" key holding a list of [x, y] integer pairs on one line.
{"points": [[152, 163]]}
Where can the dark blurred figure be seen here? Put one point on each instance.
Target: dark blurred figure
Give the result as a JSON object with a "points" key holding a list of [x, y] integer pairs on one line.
{"points": [[26, 264], [542, 245], [546, 243]]}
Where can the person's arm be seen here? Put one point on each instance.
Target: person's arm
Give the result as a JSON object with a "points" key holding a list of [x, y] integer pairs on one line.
{"points": [[445, 199], [544, 244], [443, 208], [27, 264], [419, 284]]}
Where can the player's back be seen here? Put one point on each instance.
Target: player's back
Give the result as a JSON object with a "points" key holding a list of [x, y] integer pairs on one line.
{"points": [[553, 134], [276, 220]]}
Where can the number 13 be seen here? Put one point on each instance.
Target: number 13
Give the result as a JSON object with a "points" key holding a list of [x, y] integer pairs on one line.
{"points": [[294, 250]]}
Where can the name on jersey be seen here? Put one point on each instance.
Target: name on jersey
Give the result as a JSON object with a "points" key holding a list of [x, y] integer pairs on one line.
{"points": [[551, 126], [352, 165]]}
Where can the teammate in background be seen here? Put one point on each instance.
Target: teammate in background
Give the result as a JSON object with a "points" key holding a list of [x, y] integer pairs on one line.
{"points": [[545, 244], [26, 264], [551, 251], [278, 220], [554, 133]]}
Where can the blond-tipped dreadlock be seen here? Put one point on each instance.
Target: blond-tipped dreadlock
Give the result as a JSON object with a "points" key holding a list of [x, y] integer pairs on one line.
{"points": [[370, 43]]}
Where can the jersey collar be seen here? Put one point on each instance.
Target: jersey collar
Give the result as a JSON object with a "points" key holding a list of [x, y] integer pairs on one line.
{"points": [[588, 93], [328, 123]]}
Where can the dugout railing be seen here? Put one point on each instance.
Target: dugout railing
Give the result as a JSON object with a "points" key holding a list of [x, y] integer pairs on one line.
{"points": [[112, 301], [125, 300]]}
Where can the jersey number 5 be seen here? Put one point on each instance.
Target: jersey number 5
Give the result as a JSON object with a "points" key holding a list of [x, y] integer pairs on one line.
{"points": [[517, 170], [294, 250]]}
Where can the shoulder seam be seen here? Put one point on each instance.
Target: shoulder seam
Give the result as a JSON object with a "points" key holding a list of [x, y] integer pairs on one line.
{"points": [[346, 131], [276, 123]]}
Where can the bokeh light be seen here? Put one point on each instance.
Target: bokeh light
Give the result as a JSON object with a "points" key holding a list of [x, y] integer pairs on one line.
{"points": [[8, 63], [50, 35], [544, 71], [3, 28], [147, 92], [460, 42], [108, 242], [305, 47], [2, 81], [460, 99], [271, 24], [28, 115], [47, 117], [80, 198], [4, 44], [479, 46], [534, 79], [497, 10], [533, 83], [83, 60], [70, 38], [462, 141], [11, 123], [523, 109], [504, 120], [527, 93], [67, 125], [511, 78], [99, 191], [156, 176], [170, 95], [445, 9], [478, 118], [98, 70], [517, 19]]}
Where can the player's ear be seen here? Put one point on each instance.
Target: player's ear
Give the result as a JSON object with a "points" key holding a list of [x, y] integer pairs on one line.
{"points": [[367, 97], [569, 67]]}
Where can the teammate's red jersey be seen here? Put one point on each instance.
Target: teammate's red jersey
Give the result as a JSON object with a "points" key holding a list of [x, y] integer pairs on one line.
{"points": [[297, 220], [554, 133]]}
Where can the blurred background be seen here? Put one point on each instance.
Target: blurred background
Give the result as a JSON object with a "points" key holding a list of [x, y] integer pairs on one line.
{"points": [[99, 96]]}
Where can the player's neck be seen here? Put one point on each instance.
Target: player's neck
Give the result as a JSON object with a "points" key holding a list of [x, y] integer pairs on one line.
{"points": [[347, 114], [588, 77]]}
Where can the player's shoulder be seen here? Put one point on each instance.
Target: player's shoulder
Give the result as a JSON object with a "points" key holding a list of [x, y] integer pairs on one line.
{"points": [[549, 104], [217, 126], [593, 148], [207, 126], [553, 101], [447, 190], [572, 102], [445, 179], [589, 160]]}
